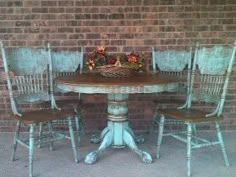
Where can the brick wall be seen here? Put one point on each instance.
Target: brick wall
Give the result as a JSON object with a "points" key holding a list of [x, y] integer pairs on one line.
{"points": [[123, 26]]}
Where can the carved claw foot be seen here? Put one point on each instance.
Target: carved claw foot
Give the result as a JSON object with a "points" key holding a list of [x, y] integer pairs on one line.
{"points": [[139, 139], [91, 158], [146, 158], [98, 138], [95, 139]]}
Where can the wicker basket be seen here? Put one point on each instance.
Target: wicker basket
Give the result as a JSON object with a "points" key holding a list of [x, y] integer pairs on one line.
{"points": [[115, 71]]}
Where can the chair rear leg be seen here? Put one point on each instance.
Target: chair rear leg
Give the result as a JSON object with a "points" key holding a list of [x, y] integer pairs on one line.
{"points": [[40, 133], [160, 135], [220, 139], [154, 119], [16, 137], [189, 148], [195, 133], [72, 138], [50, 128], [81, 126], [77, 126], [31, 150], [78, 123]]}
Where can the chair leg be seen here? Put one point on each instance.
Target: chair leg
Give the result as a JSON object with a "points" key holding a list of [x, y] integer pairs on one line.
{"points": [[78, 122], [160, 135], [189, 148], [72, 138], [77, 126], [81, 126], [31, 150], [154, 119], [40, 133], [50, 128], [195, 133], [220, 139], [16, 137]]}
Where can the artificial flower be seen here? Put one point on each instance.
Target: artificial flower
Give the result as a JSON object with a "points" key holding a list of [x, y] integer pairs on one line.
{"points": [[99, 57], [100, 49], [90, 64], [132, 58]]}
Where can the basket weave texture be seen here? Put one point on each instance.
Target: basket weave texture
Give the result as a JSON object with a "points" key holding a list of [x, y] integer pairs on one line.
{"points": [[115, 71]]}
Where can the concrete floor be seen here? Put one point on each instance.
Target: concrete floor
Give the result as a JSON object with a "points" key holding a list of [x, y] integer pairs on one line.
{"points": [[206, 162]]}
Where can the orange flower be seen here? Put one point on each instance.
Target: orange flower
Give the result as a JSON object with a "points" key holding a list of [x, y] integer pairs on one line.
{"points": [[111, 61], [101, 49], [90, 64], [132, 58]]}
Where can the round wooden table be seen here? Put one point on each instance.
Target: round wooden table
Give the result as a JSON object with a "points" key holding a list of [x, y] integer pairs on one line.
{"points": [[117, 133]]}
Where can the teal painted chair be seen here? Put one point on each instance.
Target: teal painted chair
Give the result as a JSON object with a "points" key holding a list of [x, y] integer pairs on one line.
{"points": [[29, 83], [173, 62], [209, 82], [65, 62]]}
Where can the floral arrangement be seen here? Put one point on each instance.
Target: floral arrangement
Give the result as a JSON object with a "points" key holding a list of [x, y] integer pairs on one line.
{"points": [[99, 57]]}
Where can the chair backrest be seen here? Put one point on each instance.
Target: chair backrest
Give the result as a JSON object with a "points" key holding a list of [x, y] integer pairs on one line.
{"points": [[211, 72], [29, 81], [66, 62], [172, 61], [175, 62], [63, 63]]}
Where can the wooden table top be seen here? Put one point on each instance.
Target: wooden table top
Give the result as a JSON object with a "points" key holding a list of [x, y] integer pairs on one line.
{"points": [[101, 84]]}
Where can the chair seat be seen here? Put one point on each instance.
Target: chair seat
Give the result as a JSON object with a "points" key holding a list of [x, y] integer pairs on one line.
{"points": [[63, 104], [158, 102], [37, 116], [189, 115]]}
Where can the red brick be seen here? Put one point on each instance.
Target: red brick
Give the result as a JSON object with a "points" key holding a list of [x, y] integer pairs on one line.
{"points": [[56, 10], [209, 34], [48, 3], [115, 3], [230, 28], [39, 10], [30, 3], [66, 3], [6, 10], [23, 23], [31, 16]]}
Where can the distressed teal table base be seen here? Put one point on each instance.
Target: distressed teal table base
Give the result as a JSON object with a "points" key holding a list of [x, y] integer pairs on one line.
{"points": [[98, 138], [117, 134]]}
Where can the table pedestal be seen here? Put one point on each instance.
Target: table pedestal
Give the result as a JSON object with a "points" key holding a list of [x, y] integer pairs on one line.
{"points": [[117, 133]]}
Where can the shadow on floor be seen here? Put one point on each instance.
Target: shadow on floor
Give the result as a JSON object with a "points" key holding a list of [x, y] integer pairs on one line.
{"points": [[206, 162]]}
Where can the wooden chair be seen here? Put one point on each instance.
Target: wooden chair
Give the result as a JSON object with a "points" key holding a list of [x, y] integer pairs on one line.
{"points": [[66, 63], [209, 82], [174, 62], [28, 82]]}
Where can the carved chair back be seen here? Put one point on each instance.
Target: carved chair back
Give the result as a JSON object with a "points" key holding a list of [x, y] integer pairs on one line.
{"points": [[26, 75], [171, 61], [174, 62], [211, 72], [65, 63]]}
